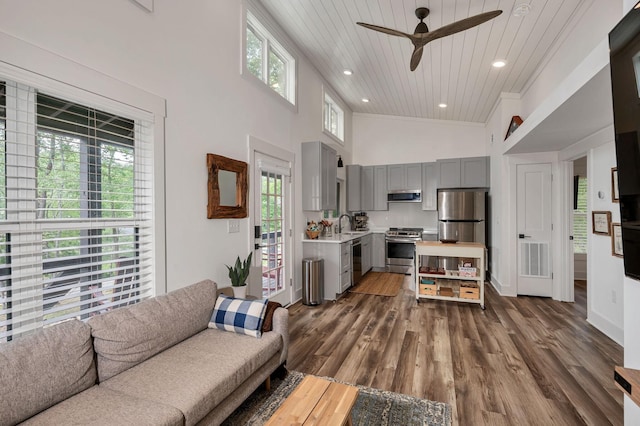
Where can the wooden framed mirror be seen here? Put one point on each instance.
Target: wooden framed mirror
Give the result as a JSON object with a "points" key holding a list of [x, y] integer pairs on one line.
{"points": [[227, 187]]}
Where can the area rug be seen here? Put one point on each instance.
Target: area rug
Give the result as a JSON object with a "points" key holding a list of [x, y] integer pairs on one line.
{"points": [[374, 407], [380, 283]]}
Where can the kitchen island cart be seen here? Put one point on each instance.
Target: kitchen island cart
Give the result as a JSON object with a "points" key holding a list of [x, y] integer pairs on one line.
{"points": [[465, 284]]}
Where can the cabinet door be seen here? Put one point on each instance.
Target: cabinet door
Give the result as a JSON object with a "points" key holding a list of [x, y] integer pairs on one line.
{"points": [[414, 176], [449, 173], [354, 188], [474, 172], [429, 186], [378, 250], [380, 188], [366, 188], [396, 177], [329, 178], [366, 253]]}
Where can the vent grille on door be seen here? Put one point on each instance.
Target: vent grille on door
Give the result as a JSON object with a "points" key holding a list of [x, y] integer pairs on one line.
{"points": [[534, 259]]}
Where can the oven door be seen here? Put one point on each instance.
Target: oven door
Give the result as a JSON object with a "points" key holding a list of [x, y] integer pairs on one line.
{"points": [[400, 253]]}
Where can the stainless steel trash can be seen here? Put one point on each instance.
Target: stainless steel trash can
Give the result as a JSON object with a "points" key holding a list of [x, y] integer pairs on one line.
{"points": [[313, 281]]}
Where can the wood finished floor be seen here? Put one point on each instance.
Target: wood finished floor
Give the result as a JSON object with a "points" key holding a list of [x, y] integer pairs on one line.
{"points": [[525, 360]]}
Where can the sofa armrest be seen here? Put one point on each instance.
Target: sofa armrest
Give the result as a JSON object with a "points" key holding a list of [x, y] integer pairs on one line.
{"points": [[281, 325]]}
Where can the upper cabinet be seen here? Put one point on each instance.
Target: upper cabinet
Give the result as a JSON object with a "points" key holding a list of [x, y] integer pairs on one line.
{"points": [[366, 188], [319, 177], [404, 176], [471, 172], [429, 186], [354, 188]]}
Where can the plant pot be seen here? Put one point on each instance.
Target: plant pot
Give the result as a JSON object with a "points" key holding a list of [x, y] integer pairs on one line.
{"points": [[240, 292]]}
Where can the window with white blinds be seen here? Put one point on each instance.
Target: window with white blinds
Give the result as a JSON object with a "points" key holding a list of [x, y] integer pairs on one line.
{"points": [[580, 217], [75, 210]]}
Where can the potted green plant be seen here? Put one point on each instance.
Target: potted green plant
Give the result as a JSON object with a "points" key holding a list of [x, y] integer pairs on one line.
{"points": [[238, 274]]}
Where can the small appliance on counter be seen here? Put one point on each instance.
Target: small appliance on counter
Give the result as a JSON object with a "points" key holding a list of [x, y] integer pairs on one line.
{"points": [[360, 220]]}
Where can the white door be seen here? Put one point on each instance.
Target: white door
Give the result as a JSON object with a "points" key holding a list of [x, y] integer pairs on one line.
{"points": [[272, 206], [534, 230]]}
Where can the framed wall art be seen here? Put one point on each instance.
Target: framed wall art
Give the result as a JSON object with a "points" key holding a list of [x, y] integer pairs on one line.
{"points": [[516, 121], [616, 240], [615, 193], [601, 222]]}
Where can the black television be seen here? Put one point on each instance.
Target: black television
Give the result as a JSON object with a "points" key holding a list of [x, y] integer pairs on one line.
{"points": [[624, 44]]}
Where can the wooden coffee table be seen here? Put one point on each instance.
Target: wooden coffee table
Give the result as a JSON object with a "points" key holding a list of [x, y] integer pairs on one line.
{"points": [[316, 402]]}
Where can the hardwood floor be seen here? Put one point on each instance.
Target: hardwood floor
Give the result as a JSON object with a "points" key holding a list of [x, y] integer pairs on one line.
{"points": [[523, 360]]}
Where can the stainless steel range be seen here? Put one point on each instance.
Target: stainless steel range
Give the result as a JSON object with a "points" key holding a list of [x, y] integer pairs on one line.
{"points": [[401, 248]]}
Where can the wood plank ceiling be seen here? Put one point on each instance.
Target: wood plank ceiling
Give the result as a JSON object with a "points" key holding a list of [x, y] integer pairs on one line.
{"points": [[455, 70]]}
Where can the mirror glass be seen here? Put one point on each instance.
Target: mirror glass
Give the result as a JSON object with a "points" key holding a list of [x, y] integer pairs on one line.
{"points": [[227, 183]]}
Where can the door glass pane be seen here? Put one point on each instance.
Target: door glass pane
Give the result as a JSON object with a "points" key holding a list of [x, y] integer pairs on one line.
{"points": [[272, 227]]}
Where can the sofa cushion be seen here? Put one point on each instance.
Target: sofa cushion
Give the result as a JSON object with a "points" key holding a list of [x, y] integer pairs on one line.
{"points": [[197, 374], [239, 315], [102, 406], [41, 369], [127, 336]]}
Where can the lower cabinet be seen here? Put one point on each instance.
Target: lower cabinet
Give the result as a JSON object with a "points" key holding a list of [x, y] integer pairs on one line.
{"points": [[367, 250], [378, 250], [337, 265]]}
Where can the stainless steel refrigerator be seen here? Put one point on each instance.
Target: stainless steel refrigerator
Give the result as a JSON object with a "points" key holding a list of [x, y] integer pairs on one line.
{"points": [[461, 217]]}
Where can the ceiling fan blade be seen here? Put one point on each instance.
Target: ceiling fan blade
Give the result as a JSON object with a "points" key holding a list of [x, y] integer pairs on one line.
{"points": [[415, 57], [456, 27], [384, 30]]}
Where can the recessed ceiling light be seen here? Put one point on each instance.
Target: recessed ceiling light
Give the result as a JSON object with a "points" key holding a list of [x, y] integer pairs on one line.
{"points": [[521, 9], [347, 72], [499, 63], [365, 100], [442, 105]]}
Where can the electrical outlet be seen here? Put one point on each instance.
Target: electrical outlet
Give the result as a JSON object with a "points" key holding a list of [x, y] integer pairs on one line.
{"points": [[233, 226]]}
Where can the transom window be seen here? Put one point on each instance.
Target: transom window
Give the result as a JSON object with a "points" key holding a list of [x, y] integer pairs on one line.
{"points": [[267, 60], [333, 118], [75, 210]]}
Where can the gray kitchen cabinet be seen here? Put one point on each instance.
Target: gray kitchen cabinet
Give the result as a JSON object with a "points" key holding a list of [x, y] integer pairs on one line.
{"points": [[474, 172], [404, 176], [367, 251], [470, 172], [354, 188], [380, 188], [320, 176], [367, 188], [378, 250], [429, 186]]}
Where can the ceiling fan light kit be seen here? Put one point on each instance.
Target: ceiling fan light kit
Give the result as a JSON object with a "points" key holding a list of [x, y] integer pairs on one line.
{"points": [[421, 35]]}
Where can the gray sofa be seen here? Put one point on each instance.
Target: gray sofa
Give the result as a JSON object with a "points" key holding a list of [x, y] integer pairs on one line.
{"points": [[153, 363]]}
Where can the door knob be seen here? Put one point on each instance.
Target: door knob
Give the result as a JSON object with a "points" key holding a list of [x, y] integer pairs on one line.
{"points": [[521, 236]]}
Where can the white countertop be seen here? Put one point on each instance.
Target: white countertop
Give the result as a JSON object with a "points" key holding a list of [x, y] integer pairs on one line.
{"points": [[339, 238]]}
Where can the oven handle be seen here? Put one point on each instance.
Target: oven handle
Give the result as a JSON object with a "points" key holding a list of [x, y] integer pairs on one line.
{"points": [[402, 240]]}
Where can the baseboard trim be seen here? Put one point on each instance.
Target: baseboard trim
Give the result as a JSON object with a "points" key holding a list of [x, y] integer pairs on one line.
{"points": [[609, 329]]}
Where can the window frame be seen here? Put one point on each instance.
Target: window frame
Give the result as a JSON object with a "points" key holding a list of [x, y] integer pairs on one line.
{"points": [[36, 67], [329, 105], [270, 44]]}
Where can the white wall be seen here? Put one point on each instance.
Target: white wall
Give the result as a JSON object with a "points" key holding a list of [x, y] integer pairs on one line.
{"points": [[605, 273], [191, 57], [384, 139]]}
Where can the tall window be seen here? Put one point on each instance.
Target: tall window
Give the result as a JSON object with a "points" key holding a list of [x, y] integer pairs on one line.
{"points": [[268, 60], [580, 218], [333, 118], [75, 210]]}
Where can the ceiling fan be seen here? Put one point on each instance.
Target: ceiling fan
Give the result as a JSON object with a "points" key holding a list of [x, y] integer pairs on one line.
{"points": [[422, 35]]}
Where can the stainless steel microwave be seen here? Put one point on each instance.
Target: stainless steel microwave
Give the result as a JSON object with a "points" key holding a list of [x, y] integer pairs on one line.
{"points": [[405, 196]]}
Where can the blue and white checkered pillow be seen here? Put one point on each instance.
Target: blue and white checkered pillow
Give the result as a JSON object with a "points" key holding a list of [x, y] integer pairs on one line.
{"points": [[239, 315]]}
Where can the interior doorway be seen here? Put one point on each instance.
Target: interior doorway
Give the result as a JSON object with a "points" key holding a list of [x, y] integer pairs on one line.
{"points": [[580, 226]]}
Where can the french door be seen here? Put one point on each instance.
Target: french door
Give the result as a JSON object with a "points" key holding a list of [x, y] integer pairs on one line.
{"points": [[272, 180]]}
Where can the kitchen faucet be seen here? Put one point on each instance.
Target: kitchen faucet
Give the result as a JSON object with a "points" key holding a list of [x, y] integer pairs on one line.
{"points": [[340, 222]]}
